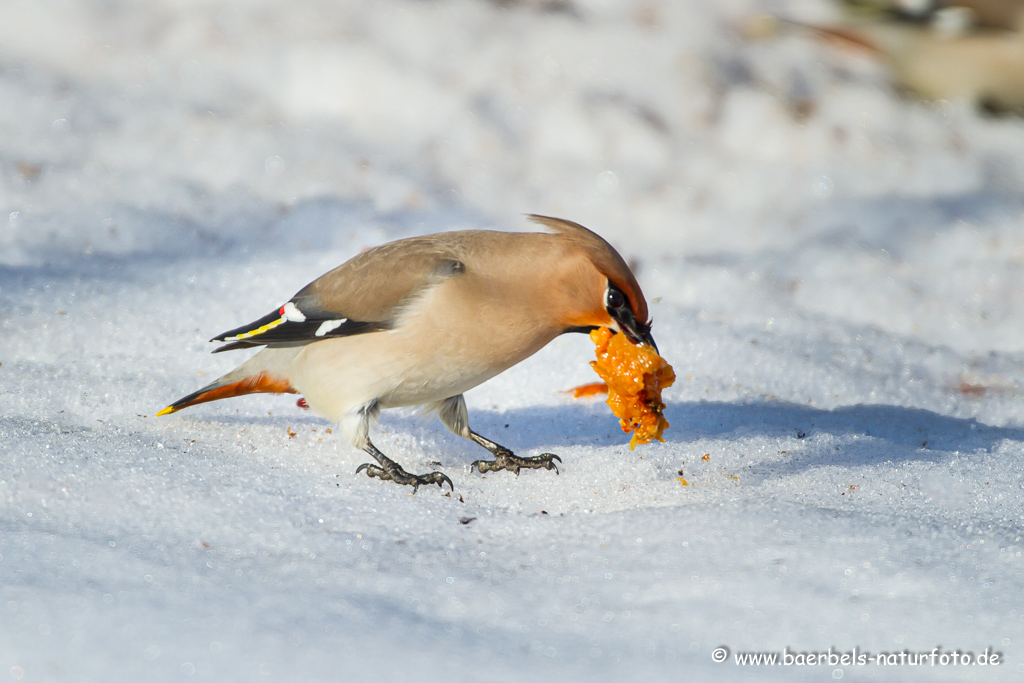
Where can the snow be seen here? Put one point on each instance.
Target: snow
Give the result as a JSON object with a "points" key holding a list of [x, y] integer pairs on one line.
{"points": [[834, 270]]}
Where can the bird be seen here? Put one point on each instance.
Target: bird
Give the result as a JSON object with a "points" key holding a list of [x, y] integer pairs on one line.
{"points": [[421, 320]]}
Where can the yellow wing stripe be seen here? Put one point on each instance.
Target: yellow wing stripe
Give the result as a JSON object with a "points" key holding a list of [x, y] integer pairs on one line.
{"points": [[259, 330]]}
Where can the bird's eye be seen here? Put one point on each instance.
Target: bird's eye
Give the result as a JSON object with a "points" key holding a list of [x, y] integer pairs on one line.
{"points": [[615, 299]]}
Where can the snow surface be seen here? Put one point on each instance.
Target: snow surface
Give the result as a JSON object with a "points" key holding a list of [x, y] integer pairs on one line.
{"points": [[835, 272]]}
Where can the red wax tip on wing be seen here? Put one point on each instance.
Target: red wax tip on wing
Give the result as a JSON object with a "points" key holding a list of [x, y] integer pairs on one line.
{"points": [[302, 404], [281, 311]]}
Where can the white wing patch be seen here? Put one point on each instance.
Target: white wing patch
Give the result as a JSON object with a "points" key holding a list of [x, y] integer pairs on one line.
{"points": [[329, 325], [291, 313]]}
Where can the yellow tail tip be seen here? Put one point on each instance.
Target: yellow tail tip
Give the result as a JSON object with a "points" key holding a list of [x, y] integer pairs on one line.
{"points": [[166, 411]]}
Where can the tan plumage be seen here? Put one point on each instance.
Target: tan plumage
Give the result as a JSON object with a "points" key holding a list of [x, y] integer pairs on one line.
{"points": [[422, 320]]}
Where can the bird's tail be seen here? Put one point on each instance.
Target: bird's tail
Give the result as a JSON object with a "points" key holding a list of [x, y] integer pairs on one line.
{"points": [[264, 373], [261, 383]]}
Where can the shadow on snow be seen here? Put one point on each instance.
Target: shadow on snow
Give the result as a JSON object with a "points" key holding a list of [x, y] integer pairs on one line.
{"points": [[867, 434]]}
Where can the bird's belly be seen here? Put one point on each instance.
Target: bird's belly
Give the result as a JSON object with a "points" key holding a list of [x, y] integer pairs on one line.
{"points": [[415, 389], [337, 376]]}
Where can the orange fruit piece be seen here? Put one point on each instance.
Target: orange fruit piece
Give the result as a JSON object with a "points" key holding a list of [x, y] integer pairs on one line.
{"points": [[635, 375]]}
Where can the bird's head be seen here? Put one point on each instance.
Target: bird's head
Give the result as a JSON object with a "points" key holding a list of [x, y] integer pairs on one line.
{"points": [[608, 293]]}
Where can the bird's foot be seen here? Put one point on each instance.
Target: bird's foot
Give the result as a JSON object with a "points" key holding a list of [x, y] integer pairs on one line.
{"points": [[505, 459], [392, 471]]}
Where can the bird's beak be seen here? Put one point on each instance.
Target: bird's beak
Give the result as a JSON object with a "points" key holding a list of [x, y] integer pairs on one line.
{"points": [[638, 333]]}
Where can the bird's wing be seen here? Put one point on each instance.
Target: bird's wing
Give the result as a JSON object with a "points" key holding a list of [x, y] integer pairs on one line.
{"points": [[362, 295]]}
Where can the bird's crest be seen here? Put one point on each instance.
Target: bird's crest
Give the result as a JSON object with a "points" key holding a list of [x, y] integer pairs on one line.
{"points": [[603, 256]]}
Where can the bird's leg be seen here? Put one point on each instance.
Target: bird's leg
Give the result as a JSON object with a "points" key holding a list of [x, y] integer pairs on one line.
{"points": [[452, 412], [504, 459], [392, 471]]}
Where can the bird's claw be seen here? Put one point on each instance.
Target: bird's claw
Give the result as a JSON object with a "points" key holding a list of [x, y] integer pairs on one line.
{"points": [[400, 476], [507, 460]]}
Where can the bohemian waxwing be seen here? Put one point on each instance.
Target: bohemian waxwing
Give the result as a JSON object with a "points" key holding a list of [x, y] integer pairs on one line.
{"points": [[419, 321]]}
